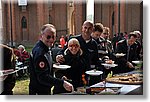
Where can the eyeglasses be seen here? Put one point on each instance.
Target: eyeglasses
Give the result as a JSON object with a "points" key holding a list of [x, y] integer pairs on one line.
{"points": [[48, 37], [74, 45]]}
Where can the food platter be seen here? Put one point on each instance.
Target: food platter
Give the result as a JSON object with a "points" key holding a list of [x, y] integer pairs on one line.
{"points": [[126, 79], [108, 91], [94, 72], [109, 65], [63, 67], [120, 54]]}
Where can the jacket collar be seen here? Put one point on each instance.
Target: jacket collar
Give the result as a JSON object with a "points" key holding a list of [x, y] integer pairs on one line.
{"points": [[43, 45]]}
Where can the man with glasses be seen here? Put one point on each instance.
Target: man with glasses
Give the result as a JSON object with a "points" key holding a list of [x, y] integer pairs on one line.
{"points": [[41, 78]]}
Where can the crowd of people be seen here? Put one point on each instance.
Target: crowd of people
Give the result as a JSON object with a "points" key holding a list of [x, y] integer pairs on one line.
{"points": [[83, 51], [98, 48]]}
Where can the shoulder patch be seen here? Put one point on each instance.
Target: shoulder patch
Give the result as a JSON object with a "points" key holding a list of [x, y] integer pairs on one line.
{"points": [[42, 64]]}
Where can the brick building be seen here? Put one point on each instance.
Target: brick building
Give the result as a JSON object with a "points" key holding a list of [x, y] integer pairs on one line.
{"points": [[21, 24]]}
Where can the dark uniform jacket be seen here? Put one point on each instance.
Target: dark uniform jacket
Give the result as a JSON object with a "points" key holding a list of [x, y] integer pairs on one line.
{"points": [[41, 79], [78, 67]]}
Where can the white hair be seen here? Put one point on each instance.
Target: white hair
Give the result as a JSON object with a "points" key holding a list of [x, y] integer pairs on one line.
{"points": [[21, 46]]}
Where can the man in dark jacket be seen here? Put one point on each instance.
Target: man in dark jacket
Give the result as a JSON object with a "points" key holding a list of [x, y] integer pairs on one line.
{"points": [[41, 79], [129, 48]]}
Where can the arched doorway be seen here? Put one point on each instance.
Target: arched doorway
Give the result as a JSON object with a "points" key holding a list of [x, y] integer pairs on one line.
{"points": [[24, 29]]}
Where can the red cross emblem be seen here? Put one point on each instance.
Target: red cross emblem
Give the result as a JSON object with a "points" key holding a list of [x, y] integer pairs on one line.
{"points": [[42, 64]]}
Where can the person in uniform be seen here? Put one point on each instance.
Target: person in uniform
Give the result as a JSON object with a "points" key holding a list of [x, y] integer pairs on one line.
{"points": [[41, 78], [129, 48]]}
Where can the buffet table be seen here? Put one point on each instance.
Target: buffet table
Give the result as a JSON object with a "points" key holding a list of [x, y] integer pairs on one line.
{"points": [[125, 88]]}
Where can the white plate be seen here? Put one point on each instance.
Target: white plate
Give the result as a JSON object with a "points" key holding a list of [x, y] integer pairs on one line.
{"points": [[94, 73], [63, 67], [137, 62], [7, 72], [120, 54], [109, 65]]}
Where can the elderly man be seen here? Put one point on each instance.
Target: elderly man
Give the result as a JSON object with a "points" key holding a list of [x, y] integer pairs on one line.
{"points": [[41, 79]]}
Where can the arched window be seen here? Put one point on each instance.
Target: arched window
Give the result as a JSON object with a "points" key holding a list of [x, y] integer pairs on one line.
{"points": [[24, 22]]}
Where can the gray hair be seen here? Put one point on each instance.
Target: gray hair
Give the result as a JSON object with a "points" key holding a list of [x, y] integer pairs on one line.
{"points": [[48, 26]]}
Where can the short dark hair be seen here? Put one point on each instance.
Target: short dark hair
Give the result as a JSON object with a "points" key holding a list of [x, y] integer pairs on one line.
{"points": [[98, 27]]}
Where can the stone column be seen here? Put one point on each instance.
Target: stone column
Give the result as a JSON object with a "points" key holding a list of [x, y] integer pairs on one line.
{"points": [[1, 23], [79, 19]]}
